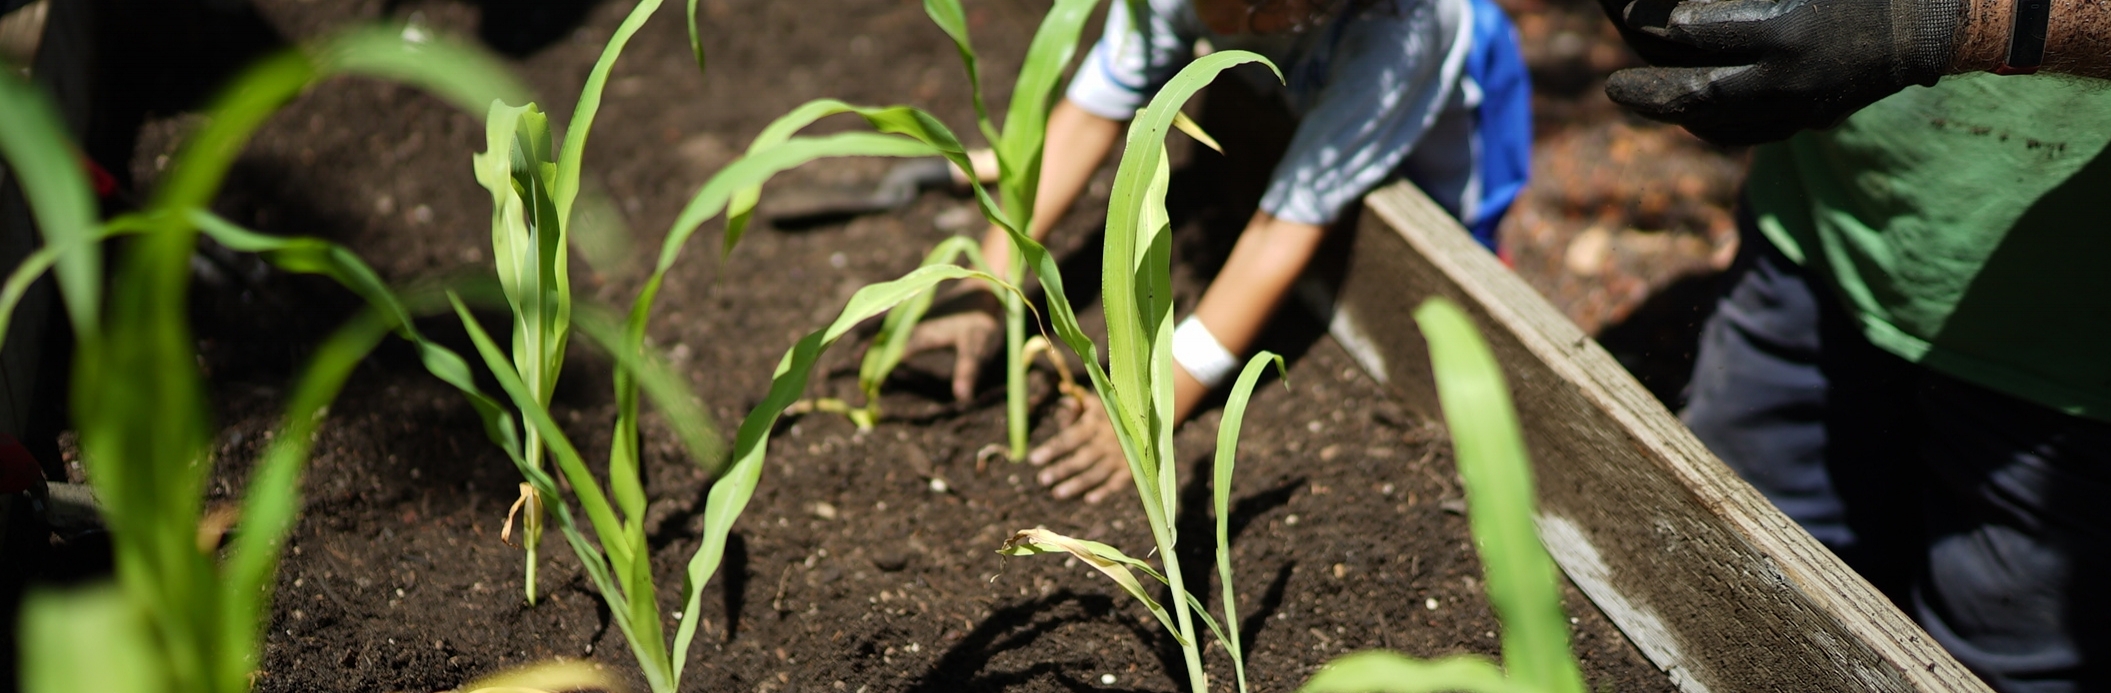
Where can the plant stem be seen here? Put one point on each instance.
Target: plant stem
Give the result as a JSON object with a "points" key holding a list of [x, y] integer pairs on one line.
{"points": [[1015, 362], [530, 537], [1198, 679]]}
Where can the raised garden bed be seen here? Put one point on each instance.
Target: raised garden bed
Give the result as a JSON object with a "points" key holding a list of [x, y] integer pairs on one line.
{"points": [[866, 561]]}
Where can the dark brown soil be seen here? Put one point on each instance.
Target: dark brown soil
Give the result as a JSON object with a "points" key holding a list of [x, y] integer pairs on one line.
{"points": [[849, 571]]}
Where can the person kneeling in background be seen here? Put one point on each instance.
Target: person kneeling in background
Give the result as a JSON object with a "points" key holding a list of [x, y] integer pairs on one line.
{"points": [[1433, 91]]}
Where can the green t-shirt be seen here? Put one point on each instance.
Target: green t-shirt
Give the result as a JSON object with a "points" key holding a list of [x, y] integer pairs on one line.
{"points": [[1966, 226]]}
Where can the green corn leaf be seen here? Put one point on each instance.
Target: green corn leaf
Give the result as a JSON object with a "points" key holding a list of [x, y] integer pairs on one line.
{"points": [[564, 186], [1155, 306], [893, 340], [749, 172], [463, 76], [460, 74], [1220, 486], [600, 514], [726, 187], [757, 168], [316, 256], [636, 612], [1026, 120], [531, 257], [138, 401], [916, 125], [949, 17], [1522, 582], [730, 495], [923, 127], [272, 498], [903, 120], [250, 561], [137, 394], [667, 388], [740, 210], [511, 218], [1018, 153], [36, 264], [1132, 225], [35, 145], [73, 641], [1385, 672], [1137, 289], [696, 39]]}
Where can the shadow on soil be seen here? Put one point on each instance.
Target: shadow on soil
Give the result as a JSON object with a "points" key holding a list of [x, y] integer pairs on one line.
{"points": [[964, 667]]}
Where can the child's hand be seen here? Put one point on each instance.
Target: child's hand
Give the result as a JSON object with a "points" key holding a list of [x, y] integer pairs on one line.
{"points": [[970, 334], [1087, 455]]}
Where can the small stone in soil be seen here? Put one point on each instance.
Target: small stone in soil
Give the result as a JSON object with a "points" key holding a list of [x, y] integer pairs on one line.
{"points": [[890, 561], [1106, 679]]}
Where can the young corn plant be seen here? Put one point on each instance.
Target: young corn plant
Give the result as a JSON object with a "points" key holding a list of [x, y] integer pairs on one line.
{"points": [[1136, 387], [619, 566], [534, 183], [1137, 391], [530, 199], [1018, 148], [899, 132], [185, 614], [532, 258], [1521, 578]]}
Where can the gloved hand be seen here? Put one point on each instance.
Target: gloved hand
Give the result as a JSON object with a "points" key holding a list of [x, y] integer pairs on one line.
{"points": [[1635, 18], [1786, 65]]}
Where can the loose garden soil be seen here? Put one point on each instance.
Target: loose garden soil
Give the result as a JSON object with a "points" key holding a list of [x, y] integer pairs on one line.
{"points": [[866, 561]]}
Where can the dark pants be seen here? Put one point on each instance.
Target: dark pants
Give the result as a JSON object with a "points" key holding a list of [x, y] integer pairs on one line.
{"points": [[1985, 517]]}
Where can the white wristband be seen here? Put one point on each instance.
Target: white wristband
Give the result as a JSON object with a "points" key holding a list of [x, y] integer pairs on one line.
{"points": [[1198, 351]]}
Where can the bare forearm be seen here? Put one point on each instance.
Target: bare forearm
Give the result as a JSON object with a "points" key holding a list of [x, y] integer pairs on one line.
{"points": [[2077, 37], [1266, 261], [1077, 142]]}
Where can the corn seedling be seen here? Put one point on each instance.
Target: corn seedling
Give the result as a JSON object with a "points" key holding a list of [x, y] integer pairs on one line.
{"points": [[1137, 390], [1137, 385], [179, 617], [531, 255], [1138, 275], [619, 567], [617, 559], [1522, 583], [534, 183], [1018, 149]]}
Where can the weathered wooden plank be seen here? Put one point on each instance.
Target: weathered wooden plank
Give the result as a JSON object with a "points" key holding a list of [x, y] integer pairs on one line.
{"points": [[1710, 581]]}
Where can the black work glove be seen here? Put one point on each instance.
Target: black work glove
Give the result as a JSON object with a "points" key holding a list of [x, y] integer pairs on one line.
{"points": [[1782, 66], [1635, 18]]}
